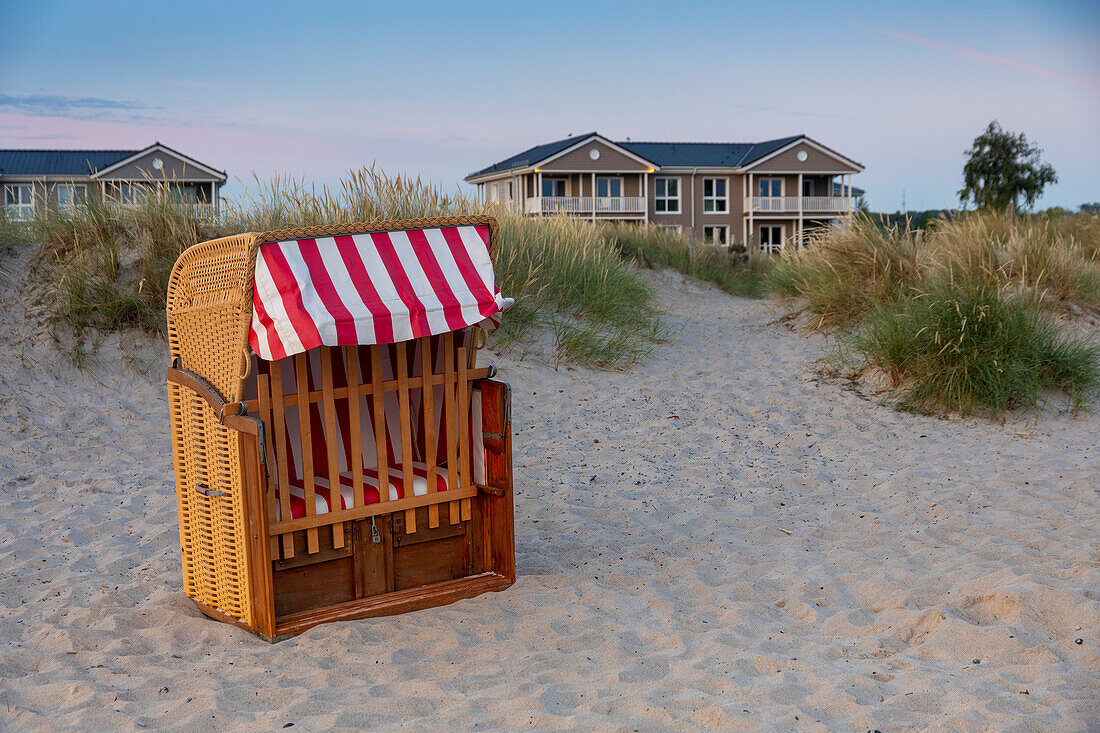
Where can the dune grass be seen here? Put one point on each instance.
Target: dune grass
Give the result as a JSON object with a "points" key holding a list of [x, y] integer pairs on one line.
{"points": [[971, 346], [960, 317], [660, 247], [843, 273], [108, 266], [13, 233]]}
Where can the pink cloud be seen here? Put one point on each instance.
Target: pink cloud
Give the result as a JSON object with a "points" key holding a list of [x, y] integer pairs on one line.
{"points": [[992, 58]]}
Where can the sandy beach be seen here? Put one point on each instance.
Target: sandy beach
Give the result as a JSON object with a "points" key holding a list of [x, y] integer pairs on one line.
{"points": [[717, 539]]}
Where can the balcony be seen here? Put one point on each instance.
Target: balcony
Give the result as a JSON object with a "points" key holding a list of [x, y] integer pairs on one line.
{"points": [[586, 204], [790, 204]]}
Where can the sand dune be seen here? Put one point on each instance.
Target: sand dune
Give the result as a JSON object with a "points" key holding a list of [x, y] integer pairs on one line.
{"points": [[716, 539]]}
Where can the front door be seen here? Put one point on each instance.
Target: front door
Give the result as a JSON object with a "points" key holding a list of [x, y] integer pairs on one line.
{"points": [[771, 238]]}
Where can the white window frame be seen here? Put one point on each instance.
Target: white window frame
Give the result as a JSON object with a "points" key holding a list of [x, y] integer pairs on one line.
{"points": [[72, 203], [773, 247], [713, 240], [667, 200], [22, 210], [714, 199], [678, 228], [782, 186], [609, 178]]}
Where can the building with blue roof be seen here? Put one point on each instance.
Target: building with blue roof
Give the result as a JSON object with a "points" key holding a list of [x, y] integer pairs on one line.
{"points": [[34, 180], [763, 195]]}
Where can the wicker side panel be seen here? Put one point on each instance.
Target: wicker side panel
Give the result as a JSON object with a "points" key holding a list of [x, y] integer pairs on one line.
{"points": [[209, 307], [210, 501]]}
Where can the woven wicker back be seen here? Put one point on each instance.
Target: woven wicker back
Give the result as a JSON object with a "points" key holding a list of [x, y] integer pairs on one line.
{"points": [[210, 310]]}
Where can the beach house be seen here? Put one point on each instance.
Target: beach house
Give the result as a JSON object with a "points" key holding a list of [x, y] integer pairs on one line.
{"points": [[765, 195], [37, 179]]}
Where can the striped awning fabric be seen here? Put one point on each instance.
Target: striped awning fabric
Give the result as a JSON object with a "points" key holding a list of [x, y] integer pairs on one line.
{"points": [[375, 288]]}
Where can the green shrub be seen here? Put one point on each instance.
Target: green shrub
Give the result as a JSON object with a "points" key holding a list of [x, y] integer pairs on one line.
{"points": [[966, 345], [662, 247]]}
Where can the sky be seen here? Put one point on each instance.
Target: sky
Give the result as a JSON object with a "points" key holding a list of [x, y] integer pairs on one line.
{"points": [[440, 89]]}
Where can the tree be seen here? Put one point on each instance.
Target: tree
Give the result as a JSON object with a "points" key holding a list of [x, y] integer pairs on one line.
{"points": [[1002, 168], [1091, 208]]}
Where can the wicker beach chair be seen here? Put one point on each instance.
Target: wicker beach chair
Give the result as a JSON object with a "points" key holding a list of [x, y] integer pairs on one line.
{"points": [[338, 453]]}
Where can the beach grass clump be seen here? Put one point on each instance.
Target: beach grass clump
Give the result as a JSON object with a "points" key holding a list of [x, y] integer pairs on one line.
{"points": [[654, 246], [108, 266], [961, 316], [568, 278], [12, 232], [367, 194], [1057, 258], [844, 273], [971, 344]]}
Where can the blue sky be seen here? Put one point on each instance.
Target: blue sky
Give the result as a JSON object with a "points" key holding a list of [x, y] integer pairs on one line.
{"points": [[441, 89]]}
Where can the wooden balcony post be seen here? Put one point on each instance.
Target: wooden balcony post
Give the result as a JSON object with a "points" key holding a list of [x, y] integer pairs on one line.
{"points": [[801, 193]]}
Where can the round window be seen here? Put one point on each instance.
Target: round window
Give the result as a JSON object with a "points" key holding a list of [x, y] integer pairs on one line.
{"points": [[802, 155], [594, 154], [158, 163]]}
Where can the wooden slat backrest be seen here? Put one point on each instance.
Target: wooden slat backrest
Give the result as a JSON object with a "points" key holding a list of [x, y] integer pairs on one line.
{"points": [[427, 389], [417, 396]]}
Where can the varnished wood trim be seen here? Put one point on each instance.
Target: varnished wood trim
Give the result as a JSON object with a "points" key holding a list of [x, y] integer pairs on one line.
{"points": [[402, 601]]}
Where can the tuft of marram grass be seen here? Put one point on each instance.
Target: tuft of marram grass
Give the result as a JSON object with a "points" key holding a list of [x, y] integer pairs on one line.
{"points": [[662, 247], [845, 272], [971, 345], [13, 233], [109, 265], [959, 317], [1055, 258]]}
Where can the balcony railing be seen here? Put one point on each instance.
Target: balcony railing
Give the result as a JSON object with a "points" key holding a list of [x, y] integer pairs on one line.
{"points": [[790, 204], [585, 204]]}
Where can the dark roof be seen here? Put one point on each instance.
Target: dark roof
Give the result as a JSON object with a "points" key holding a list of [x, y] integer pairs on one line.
{"points": [[59, 162], [532, 155], [703, 155], [720, 155]]}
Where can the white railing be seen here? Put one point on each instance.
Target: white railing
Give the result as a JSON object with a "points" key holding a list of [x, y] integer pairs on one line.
{"points": [[585, 204], [828, 204]]}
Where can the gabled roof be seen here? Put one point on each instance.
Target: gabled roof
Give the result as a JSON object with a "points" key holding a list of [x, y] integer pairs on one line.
{"points": [[59, 162], [159, 147], [533, 155], [662, 154]]}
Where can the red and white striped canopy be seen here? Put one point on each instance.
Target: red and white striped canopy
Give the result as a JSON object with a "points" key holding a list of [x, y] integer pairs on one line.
{"points": [[376, 288]]}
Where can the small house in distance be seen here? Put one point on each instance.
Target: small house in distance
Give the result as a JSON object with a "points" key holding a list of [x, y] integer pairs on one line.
{"points": [[764, 195], [34, 180]]}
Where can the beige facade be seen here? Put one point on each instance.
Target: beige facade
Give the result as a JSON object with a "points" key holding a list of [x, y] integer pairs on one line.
{"points": [[768, 202]]}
